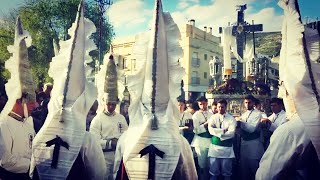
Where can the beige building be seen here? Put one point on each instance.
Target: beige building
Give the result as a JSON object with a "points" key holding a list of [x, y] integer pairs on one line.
{"points": [[199, 47]]}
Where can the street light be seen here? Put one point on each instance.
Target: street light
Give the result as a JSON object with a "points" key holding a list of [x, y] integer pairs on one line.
{"points": [[215, 72]]}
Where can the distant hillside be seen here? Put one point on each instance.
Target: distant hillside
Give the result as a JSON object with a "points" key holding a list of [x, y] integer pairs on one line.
{"points": [[268, 43]]}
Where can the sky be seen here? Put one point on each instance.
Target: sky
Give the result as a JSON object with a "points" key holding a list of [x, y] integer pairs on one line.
{"points": [[130, 17]]}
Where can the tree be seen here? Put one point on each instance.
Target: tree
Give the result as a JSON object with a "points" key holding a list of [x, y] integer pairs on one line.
{"points": [[49, 20]]}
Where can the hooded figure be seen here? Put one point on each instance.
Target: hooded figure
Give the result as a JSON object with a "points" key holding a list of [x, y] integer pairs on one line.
{"points": [[152, 147], [293, 149], [16, 124], [108, 125], [63, 149]]}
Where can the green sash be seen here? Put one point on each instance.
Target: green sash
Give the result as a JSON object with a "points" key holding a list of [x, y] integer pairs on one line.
{"points": [[205, 135], [216, 141], [249, 136]]}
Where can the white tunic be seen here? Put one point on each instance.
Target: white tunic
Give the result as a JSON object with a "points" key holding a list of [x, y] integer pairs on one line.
{"points": [[105, 128], [251, 149], [288, 152], [199, 118], [277, 120], [15, 144], [184, 116], [216, 125]]}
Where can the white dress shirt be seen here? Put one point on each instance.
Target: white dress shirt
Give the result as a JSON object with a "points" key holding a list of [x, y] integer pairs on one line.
{"points": [[216, 126]]}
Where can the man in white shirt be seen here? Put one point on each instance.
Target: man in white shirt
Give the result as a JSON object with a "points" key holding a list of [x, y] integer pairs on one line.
{"points": [[16, 135], [184, 120], [202, 138], [251, 149], [277, 117], [108, 126], [271, 123], [222, 127]]}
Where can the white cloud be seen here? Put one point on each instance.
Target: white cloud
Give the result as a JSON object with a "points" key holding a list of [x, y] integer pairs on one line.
{"points": [[182, 4], [128, 13], [220, 12]]}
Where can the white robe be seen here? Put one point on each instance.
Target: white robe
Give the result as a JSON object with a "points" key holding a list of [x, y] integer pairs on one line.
{"points": [[93, 158], [289, 151], [217, 123], [185, 169], [15, 144], [252, 149], [105, 128], [201, 144]]}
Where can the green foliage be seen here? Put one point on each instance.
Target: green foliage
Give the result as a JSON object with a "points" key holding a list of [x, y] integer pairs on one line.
{"points": [[268, 43], [47, 21]]}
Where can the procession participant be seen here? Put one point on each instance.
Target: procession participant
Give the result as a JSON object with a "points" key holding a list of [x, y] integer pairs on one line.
{"points": [[16, 124], [184, 121], [271, 123], [258, 106], [213, 108], [251, 149], [62, 148], [109, 125], [294, 149], [202, 138], [278, 116], [222, 128], [153, 114]]}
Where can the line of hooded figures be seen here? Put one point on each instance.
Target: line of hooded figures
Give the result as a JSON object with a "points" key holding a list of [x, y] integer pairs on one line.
{"points": [[72, 130]]}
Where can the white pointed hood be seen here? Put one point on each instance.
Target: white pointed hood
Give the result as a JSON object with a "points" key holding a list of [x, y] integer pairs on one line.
{"points": [[21, 80], [71, 98], [153, 91], [298, 69]]}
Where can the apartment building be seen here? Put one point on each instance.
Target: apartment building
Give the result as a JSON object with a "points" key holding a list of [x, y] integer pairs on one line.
{"points": [[199, 47]]}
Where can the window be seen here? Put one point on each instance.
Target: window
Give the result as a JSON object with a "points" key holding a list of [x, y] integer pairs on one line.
{"points": [[205, 74], [205, 56], [195, 61]]}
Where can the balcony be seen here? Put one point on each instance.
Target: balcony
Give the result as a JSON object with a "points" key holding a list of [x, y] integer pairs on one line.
{"points": [[195, 80], [195, 62]]}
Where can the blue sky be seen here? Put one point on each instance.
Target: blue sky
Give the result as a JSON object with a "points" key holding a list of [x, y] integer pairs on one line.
{"points": [[133, 16]]}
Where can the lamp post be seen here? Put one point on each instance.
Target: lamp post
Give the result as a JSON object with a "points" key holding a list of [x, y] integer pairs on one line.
{"points": [[215, 70]]}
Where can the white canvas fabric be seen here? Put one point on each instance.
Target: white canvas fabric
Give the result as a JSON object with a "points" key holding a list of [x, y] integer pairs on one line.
{"points": [[71, 98], [164, 41], [295, 71], [21, 80]]}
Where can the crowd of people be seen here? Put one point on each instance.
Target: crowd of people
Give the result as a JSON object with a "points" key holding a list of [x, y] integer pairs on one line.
{"points": [[210, 131]]}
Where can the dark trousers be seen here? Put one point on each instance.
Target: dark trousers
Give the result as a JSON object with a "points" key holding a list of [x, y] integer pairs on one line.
{"points": [[7, 175]]}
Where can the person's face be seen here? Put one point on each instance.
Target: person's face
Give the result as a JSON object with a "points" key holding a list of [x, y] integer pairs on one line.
{"points": [[111, 107], [189, 109], [248, 104], [214, 109], [203, 105], [181, 106], [259, 107], [276, 108], [221, 108]]}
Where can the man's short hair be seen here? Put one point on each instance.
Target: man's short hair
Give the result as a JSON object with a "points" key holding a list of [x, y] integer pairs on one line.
{"points": [[194, 106], [222, 101], [278, 101], [214, 103], [202, 98], [181, 100], [257, 101], [250, 97]]}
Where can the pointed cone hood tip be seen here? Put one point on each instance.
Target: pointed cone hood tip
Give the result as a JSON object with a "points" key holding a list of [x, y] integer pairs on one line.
{"points": [[21, 80], [156, 84], [72, 97]]}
